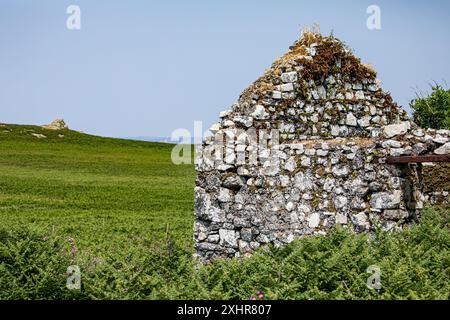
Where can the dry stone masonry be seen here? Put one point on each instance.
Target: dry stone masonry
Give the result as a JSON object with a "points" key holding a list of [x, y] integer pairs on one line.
{"points": [[300, 152]]}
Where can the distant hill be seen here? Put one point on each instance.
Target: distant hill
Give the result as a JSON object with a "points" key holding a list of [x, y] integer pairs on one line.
{"points": [[35, 133], [159, 139], [152, 139]]}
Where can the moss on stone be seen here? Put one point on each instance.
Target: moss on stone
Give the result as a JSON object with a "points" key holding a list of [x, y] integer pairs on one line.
{"points": [[436, 178], [321, 171], [316, 201]]}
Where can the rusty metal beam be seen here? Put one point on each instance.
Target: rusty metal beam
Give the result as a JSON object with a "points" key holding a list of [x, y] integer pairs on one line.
{"points": [[418, 159]]}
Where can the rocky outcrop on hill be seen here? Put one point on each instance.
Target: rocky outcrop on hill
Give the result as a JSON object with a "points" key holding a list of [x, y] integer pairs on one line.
{"points": [[57, 124]]}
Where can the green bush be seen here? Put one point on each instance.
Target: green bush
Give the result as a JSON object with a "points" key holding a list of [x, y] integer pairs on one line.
{"points": [[33, 265], [432, 111], [414, 264]]}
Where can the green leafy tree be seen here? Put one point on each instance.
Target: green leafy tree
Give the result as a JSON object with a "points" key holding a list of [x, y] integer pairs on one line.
{"points": [[432, 111]]}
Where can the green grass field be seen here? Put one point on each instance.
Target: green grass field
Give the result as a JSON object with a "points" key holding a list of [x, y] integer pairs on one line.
{"points": [[129, 211], [103, 192]]}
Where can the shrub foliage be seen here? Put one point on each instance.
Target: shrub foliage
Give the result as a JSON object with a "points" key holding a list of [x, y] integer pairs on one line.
{"points": [[414, 264], [432, 111]]}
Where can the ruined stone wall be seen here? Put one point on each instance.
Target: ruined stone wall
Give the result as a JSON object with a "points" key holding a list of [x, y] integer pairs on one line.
{"points": [[300, 152]]}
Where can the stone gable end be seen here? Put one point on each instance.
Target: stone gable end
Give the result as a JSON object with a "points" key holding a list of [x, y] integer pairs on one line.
{"points": [[300, 150]]}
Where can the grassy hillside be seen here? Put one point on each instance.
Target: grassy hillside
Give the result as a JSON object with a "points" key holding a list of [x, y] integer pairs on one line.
{"points": [[124, 213], [93, 188]]}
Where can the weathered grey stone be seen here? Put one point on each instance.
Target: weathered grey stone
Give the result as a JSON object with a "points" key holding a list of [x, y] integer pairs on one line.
{"points": [[287, 87], [225, 113], [271, 167], [230, 156], [289, 76], [364, 122], [290, 206], [340, 171], [291, 164], [305, 162], [224, 167], [340, 202], [396, 129], [214, 238], [254, 245], [359, 187], [260, 113], [349, 95], [445, 149], [385, 200], [262, 238], [331, 79], [225, 195], [341, 218], [359, 95], [302, 182], [361, 221], [205, 246], [375, 186], [233, 182], [285, 181], [395, 152], [241, 222], [202, 201], [311, 50], [228, 238], [244, 246], [391, 144], [228, 123], [215, 215], [322, 93], [246, 234], [343, 131], [397, 214], [335, 130], [356, 86], [215, 127], [440, 139], [351, 120], [314, 220], [202, 233], [419, 148], [245, 121], [276, 95]]}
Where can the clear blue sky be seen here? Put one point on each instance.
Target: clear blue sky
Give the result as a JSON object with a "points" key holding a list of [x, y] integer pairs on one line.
{"points": [[145, 68]]}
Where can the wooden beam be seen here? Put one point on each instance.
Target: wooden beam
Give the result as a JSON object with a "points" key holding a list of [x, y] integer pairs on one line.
{"points": [[418, 159]]}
